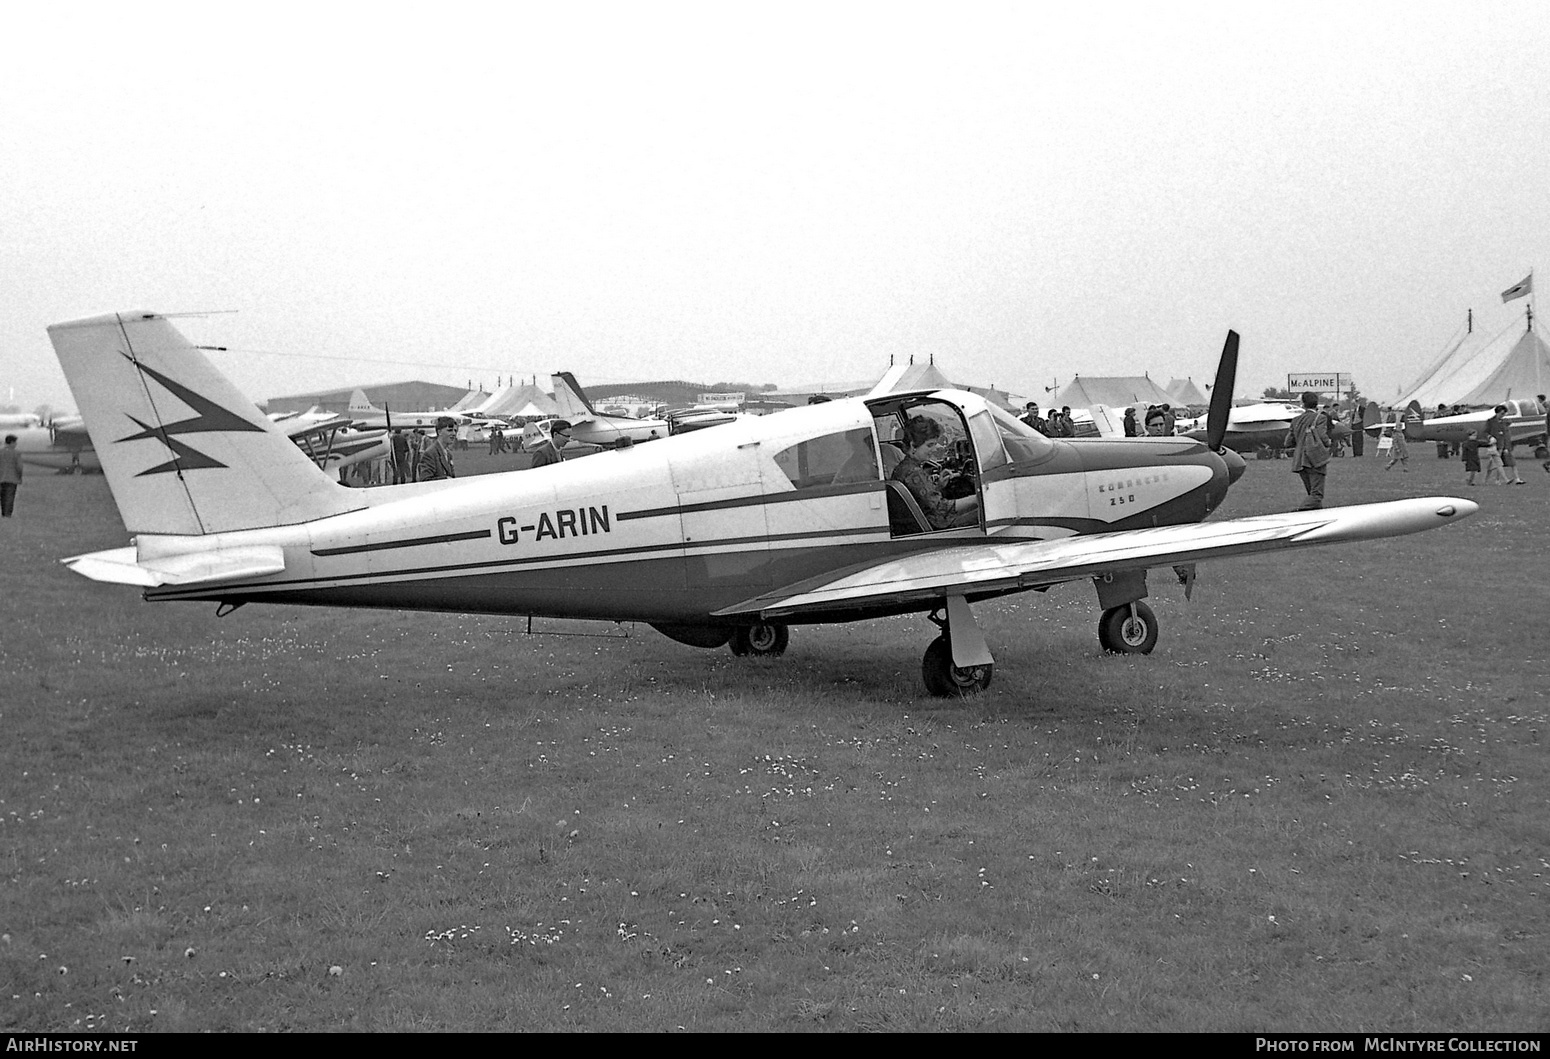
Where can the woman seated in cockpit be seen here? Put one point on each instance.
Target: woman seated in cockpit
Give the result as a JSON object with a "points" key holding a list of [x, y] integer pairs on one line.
{"points": [[924, 443]]}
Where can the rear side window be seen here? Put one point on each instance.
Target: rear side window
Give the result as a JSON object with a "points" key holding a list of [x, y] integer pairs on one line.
{"points": [[833, 459]]}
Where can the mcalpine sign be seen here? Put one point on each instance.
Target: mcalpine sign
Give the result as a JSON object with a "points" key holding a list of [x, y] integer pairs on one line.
{"points": [[1320, 381]]}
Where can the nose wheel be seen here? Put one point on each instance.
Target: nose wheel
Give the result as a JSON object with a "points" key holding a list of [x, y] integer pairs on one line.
{"points": [[763, 639], [1129, 629]]}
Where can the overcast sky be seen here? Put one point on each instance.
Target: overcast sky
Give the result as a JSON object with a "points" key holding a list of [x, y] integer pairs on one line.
{"points": [[779, 192]]}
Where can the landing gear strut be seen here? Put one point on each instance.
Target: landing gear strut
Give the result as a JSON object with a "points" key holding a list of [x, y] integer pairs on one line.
{"points": [[765, 638], [942, 676], [1129, 629]]}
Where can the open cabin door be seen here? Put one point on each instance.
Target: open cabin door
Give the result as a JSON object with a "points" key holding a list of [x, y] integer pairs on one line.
{"points": [[998, 489], [953, 467]]}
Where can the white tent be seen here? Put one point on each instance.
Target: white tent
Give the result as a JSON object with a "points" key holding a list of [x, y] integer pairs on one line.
{"points": [[1525, 373], [1186, 393], [1111, 391], [1467, 363], [471, 399], [525, 400], [901, 377]]}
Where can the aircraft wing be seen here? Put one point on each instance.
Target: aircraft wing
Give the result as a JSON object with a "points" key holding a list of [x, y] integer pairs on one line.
{"points": [[990, 567], [299, 426]]}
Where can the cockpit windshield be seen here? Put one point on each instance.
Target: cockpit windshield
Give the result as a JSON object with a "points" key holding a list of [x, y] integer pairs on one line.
{"points": [[1023, 443]]}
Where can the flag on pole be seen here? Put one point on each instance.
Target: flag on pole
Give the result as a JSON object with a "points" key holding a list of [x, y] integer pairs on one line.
{"points": [[1519, 289]]}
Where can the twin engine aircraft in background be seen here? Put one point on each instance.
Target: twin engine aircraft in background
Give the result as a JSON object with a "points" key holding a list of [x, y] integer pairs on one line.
{"points": [[588, 425], [63, 445], [717, 537], [1251, 427], [1525, 424], [367, 416], [329, 439]]}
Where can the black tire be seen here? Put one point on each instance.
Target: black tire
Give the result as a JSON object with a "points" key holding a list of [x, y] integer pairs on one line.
{"points": [[945, 680], [766, 639], [1122, 633]]}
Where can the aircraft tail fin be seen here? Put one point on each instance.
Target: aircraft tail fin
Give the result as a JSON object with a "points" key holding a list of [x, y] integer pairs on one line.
{"points": [[360, 404], [570, 398], [1414, 412], [183, 450]]}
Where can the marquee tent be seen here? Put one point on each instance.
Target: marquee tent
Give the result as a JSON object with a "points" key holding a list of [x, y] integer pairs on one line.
{"points": [[1186, 393], [1477, 368], [1111, 391], [525, 400], [1525, 373]]}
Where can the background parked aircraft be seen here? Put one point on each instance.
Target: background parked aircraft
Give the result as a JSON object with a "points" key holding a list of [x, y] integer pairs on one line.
{"points": [[1525, 424], [1249, 427], [367, 416], [63, 445], [588, 425], [332, 440]]}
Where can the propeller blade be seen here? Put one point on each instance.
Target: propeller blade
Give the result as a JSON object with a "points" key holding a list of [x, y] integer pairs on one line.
{"points": [[1221, 393]]}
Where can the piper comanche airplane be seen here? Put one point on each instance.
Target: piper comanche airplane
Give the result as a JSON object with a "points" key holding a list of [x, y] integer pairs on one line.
{"points": [[714, 537]]}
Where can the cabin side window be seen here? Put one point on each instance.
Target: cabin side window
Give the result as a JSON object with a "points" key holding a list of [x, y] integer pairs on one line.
{"points": [[841, 458]]}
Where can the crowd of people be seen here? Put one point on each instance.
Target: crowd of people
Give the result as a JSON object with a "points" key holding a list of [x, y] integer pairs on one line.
{"points": [[1058, 424], [415, 456]]}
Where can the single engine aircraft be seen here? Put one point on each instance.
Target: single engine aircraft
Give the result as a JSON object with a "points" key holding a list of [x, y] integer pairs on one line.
{"points": [[717, 537], [1525, 421]]}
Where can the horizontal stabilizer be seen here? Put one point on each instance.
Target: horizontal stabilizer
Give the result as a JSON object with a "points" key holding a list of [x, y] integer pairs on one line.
{"points": [[123, 566]]}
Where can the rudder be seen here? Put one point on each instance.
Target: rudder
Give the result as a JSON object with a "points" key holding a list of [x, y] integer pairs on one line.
{"points": [[570, 398]]}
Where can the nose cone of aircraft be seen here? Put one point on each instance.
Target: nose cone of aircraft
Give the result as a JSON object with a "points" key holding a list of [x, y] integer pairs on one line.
{"points": [[1235, 465]]}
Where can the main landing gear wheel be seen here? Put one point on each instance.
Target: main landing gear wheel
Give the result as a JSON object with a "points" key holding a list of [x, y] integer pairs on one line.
{"points": [[766, 638], [945, 680], [1122, 632]]}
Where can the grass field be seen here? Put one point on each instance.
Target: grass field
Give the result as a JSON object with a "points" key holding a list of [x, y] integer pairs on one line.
{"points": [[1321, 804]]}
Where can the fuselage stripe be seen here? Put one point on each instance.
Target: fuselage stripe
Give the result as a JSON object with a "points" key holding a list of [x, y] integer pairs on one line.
{"points": [[759, 499], [445, 538]]}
